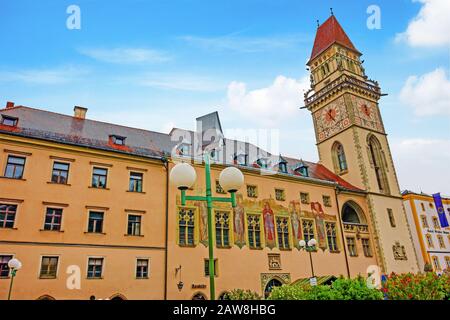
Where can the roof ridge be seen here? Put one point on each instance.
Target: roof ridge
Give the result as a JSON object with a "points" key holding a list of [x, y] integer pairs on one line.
{"points": [[91, 120]]}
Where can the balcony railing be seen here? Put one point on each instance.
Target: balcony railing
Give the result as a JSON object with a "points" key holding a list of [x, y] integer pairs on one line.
{"points": [[356, 227], [343, 81]]}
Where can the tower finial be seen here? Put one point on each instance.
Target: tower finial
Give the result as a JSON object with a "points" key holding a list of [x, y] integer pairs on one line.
{"points": [[317, 23], [331, 11]]}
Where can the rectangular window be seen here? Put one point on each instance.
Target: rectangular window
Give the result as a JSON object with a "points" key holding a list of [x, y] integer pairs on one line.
{"points": [[222, 222], [441, 241], [254, 231], [436, 223], [186, 227], [4, 269], [430, 241], [206, 264], [99, 176], [351, 245], [423, 206], [135, 182], [219, 188], [308, 229], [49, 267], [60, 173], [252, 191], [437, 265], [142, 268], [95, 268], [7, 215], [283, 233], [366, 247], [95, 223], [391, 217], [424, 221], [326, 201], [53, 218], [447, 261], [304, 197], [134, 225], [331, 236], [280, 195], [14, 167]]}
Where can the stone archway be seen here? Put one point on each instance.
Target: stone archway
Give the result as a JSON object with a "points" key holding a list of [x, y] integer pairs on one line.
{"points": [[273, 283], [199, 296], [352, 213], [118, 297]]}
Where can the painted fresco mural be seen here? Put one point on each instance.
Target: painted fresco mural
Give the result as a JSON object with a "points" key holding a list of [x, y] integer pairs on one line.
{"points": [[269, 209]]}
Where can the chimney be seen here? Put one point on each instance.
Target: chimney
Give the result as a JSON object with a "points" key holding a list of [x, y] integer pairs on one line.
{"points": [[79, 112], [9, 105]]}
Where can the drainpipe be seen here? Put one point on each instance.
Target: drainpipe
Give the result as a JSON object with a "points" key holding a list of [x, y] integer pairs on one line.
{"points": [[342, 231], [166, 166]]}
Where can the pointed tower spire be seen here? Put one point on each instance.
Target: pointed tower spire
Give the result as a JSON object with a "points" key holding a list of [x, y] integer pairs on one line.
{"points": [[328, 33]]}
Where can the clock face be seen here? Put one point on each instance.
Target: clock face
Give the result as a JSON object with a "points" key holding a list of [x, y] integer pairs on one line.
{"points": [[366, 114], [330, 115], [366, 111]]}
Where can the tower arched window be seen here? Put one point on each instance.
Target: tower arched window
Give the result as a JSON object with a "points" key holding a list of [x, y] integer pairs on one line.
{"points": [[339, 160], [378, 163]]}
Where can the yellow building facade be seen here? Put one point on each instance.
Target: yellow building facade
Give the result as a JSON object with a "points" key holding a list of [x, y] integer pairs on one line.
{"points": [[88, 208]]}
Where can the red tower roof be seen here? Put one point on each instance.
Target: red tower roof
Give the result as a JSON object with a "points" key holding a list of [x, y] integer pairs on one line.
{"points": [[328, 33]]}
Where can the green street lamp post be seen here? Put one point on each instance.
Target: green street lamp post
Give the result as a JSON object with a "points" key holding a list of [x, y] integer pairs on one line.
{"points": [[310, 247], [14, 265], [183, 176]]}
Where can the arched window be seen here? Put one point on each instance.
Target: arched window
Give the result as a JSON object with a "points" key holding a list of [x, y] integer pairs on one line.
{"points": [[378, 162], [339, 160], [198, 296], [352, 213], [270, 285]]}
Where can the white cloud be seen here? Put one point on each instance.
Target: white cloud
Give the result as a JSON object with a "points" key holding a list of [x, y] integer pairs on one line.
{"points": [[431, 27], [428, 94], [268, 106], [126, 55], [44, 76], [422, 164], [246, 44]]}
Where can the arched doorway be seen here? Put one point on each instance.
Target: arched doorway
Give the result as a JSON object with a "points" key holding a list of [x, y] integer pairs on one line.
{"points": [[224, 296], [118, 297], [198, 296], [270, 285], [46, 297]]}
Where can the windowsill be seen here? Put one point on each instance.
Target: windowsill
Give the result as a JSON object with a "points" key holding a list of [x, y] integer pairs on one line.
{"points": [[87, 278], [260, 248], [138, 192], [44, 230], [285, 249], [341, 173], [223, 247], [14, 228], [354, 256], [97, 233], [142, 278], [9, 178], [133, 235], [280, 199], [98, 188], [371, 256], [187, 245], [335, 251], [5, 278], [61, 184], [47, 278]]}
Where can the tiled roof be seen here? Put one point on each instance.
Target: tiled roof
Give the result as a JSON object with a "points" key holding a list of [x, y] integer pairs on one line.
{"points": [[328, 33], [41, 124]]}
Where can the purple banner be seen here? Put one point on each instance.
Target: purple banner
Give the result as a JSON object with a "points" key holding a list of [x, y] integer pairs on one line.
{"points": [[440, 210]]}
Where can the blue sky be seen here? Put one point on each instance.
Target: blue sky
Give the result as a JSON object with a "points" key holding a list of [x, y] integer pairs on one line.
{"points": [[158, 64]]}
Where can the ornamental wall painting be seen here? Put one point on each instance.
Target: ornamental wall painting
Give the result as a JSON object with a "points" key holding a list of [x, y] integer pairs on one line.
{"points": [[269, 210]]}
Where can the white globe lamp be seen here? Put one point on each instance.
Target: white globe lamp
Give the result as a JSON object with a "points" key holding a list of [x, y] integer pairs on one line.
{"points": [[183, 176], [231, 179]]}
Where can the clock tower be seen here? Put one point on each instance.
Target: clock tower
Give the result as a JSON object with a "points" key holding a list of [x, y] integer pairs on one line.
{"points": [[352, 141]]}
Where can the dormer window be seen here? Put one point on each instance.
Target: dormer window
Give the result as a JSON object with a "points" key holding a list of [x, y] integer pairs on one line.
{"points": [[9, 121], [262, 163], [241, 159], [302, 168], [184, 149], [282, 166], [118, 140]]}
